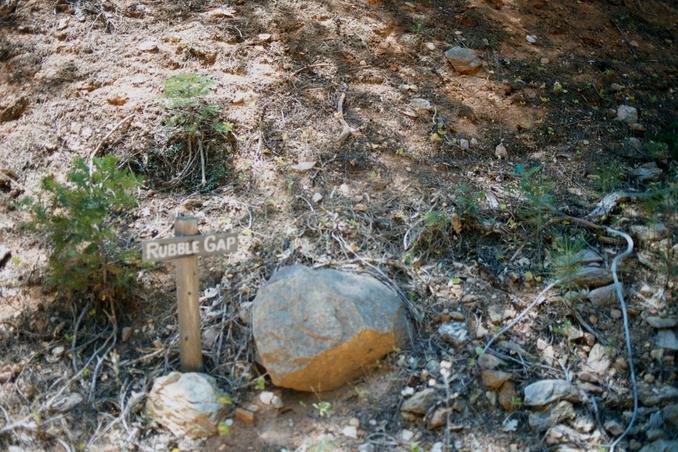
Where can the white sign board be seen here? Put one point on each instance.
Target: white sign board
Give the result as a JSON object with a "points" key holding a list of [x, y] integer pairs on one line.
{"points": [[196, 245]]}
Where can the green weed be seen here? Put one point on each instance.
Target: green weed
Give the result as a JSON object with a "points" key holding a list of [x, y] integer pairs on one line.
{"points": [[609, 177], [437, 233], [538, 200], [565, 258], [467, 201]]}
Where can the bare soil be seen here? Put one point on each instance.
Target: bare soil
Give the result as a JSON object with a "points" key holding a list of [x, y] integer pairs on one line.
{"points": [[76, 69]]}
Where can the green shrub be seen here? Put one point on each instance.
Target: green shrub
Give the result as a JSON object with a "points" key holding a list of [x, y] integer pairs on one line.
{"points": [[82, 219], [198, 134]]}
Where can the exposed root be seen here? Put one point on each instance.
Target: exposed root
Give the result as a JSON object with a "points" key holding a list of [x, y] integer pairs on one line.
{"points": [[347, 130], [627, 333]]}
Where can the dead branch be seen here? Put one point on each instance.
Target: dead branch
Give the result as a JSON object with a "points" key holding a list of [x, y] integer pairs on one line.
{"points": [[520, 316], [103, 141]]}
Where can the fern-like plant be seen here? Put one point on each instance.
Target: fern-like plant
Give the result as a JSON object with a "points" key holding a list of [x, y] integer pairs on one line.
{"points": [[82, 219]]}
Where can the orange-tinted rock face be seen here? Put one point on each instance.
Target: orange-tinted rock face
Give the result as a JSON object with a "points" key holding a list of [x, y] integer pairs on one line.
{"points": [[316, 330]]}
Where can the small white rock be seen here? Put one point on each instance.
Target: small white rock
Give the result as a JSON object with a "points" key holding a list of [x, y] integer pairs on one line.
{"points": [[277, 402], [350, 432], [437, 447], [148, 45], [531, 39], [464, 144], [317, 197], [420, 104], [627, 114], [266, 397], [407, 391], [406, 435], [304, 166], [430, 46], [500, 151]]}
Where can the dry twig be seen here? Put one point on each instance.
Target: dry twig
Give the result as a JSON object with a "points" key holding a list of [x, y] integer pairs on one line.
{"points": [[103, 141]]}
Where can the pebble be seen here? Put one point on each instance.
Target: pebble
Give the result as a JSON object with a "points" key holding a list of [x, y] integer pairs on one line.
{"points": [[350, 432], [650, 233], [266, 397], [304, 166], [406, 435], [603, 296], [500, 151], [438, 447], [126, 333], [149, 45], [542, 420], [661, 322], [627, 114], [508, 396], [420, 402], [438, 418], [647, 171], [463, 60], [592, 277], [487, 361], [464, 144], [614, 427], [531, 39], [421, 105], [407, 391], [494, 379], [58, 351], [544, 392], [430, 46], [245, 415], [453, 332], [666, 339], [317, 197]]}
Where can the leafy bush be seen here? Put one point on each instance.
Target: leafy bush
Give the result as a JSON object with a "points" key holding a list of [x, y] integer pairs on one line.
{"points": [[81, 219]]}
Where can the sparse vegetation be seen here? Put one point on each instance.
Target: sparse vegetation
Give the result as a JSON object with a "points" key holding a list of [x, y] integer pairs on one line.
{"points": [[565, 259], [536, 194], [83, 219], [198, 139]]}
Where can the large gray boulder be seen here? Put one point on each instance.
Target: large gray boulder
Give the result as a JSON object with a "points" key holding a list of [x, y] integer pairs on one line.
{"points": [[316, 330]]}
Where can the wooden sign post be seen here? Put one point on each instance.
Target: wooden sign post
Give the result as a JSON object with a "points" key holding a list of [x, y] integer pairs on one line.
{"points": [[184, 249]]}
